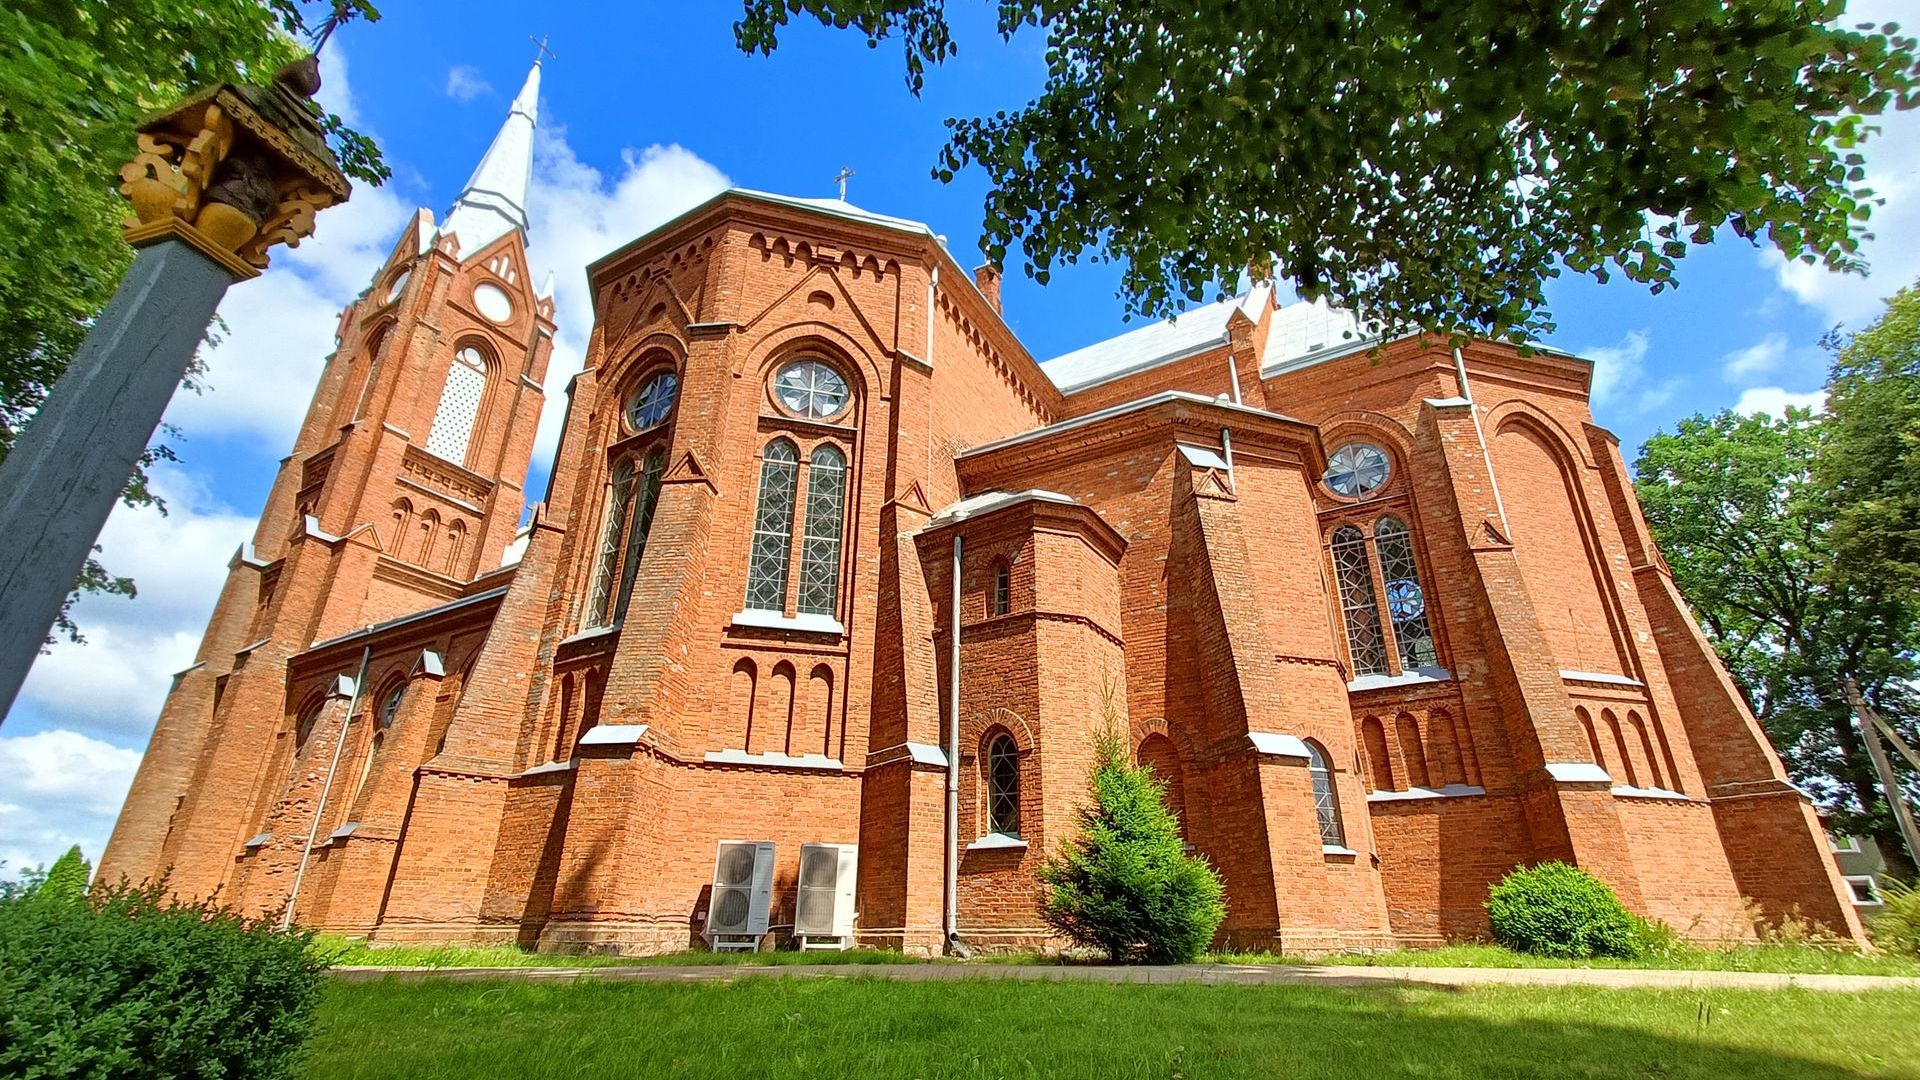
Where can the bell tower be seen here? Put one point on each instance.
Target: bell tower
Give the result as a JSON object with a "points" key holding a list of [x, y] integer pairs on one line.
{"points": [[403, 487]]}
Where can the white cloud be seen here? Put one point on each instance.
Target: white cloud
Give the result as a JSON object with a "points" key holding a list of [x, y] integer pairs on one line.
{"points": [[1756, 359], [464, 83], [1893, 172], [577, 214], [1616, 368], [58, 789], [112, 685], [1773, 400]]}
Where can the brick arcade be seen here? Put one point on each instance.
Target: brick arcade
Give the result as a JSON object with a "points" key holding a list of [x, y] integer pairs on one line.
{"points": [[1385, 617]]}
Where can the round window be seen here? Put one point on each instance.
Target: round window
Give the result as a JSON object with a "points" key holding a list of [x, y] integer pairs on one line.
{"points": [[653, 401], [398, 285], [492, 302], [1357, 469], [811, 389]]}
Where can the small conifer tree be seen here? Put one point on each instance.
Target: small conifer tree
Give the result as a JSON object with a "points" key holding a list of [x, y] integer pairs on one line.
{"points": [[1125, 884]]}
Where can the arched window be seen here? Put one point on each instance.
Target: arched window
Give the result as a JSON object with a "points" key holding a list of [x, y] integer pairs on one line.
{"points": [[619, 492], [1002, 588], [1406, 602], [1358, 607], [459, 407], [639, 520], [308, 717], [820, 551], [1326, 804], [653, 402], [390, 706], [1003, 785], [773, 527]]}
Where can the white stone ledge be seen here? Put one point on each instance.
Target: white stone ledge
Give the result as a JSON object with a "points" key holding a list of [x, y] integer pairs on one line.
{"points": [[775, 761], [555, 766], [774, 620], [1577, 772], [1600, 677], [613, 735], [997, 842], [925, 754], [1336, 849], [258, 840], [1273, 742], [1626, 791], [590, 634], [1451, 791], [1416, 677], [344, 831]]}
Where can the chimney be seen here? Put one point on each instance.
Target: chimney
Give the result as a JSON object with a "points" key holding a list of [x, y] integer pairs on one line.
{"points": [[987, 277]]}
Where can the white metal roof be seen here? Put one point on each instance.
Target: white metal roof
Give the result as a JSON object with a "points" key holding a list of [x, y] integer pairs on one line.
{"points": [[1150, 346]]}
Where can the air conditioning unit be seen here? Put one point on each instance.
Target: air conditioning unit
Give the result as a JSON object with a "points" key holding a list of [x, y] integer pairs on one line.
{"points": [[824, 905], [742, 893]]}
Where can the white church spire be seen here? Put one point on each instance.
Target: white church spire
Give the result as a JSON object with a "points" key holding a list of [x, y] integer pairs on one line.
{"points": [[494, 201]]}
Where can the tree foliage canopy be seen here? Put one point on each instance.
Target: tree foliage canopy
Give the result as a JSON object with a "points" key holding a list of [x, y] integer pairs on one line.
{"points": [[1428, 165], [1739, 509], [1872, 463], [75, 77]]}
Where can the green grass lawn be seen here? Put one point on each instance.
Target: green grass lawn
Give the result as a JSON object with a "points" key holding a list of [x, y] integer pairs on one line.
{"points": [[759, 1027], [1799, 959]]}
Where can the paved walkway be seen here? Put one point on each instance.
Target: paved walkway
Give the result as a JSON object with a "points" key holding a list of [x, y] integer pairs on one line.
{"points": [[1205, 974]]}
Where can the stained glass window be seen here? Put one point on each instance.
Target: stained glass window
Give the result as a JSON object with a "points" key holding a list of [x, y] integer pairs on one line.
{"points": [[653, 401], [820, 550], [811, 389], [618, 493], [459, 406], [1354, 571], [640, 519], [1357, 469], [1406, 603], [773, 527], [1326, 807], [1003, 786]]}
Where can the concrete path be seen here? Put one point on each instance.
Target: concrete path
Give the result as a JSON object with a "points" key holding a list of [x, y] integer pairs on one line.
{"points": [[1205, 974]]}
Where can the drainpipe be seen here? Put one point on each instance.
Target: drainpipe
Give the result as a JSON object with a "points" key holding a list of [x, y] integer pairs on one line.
{"points": [[1226, 445], [1466, 392], [320, 808], [953, 767]]}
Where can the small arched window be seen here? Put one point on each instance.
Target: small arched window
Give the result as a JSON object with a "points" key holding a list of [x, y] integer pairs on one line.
{"points": [[1354, 571], [390, 706], [459, 410], [1002, 589], [773, 527], [820, 551], [1326, 803], [1003, 785], [1406, 601], [309, 716]]}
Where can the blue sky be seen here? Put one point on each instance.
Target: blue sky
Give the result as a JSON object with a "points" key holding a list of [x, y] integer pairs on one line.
{"points": [[648, 109]]}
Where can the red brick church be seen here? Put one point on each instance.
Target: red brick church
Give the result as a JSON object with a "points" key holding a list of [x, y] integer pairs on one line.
{"points": [[827, 558]]}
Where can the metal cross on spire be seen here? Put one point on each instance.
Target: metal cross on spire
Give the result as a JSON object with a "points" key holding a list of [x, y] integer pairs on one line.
{"points": [[845, 174], [544, 52]]}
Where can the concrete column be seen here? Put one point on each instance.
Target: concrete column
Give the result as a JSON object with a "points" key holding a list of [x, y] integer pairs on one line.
{"points": [[69, 466]]}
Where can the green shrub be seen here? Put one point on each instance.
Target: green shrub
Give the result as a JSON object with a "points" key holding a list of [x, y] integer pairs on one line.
{"points": [[1561, 911], [1125, 885], [1897, 928], [118, 981]]}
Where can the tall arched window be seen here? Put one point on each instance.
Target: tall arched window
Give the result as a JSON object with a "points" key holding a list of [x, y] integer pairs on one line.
{"points": [[1403, 641], [309, 716], [1357, 604], [459, 407], [1003, 785], [820, 551], [773, 527], [390, 706], [619, 492], [1002, 588], [639, 521], [1406, 601], [1326, 804]]}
